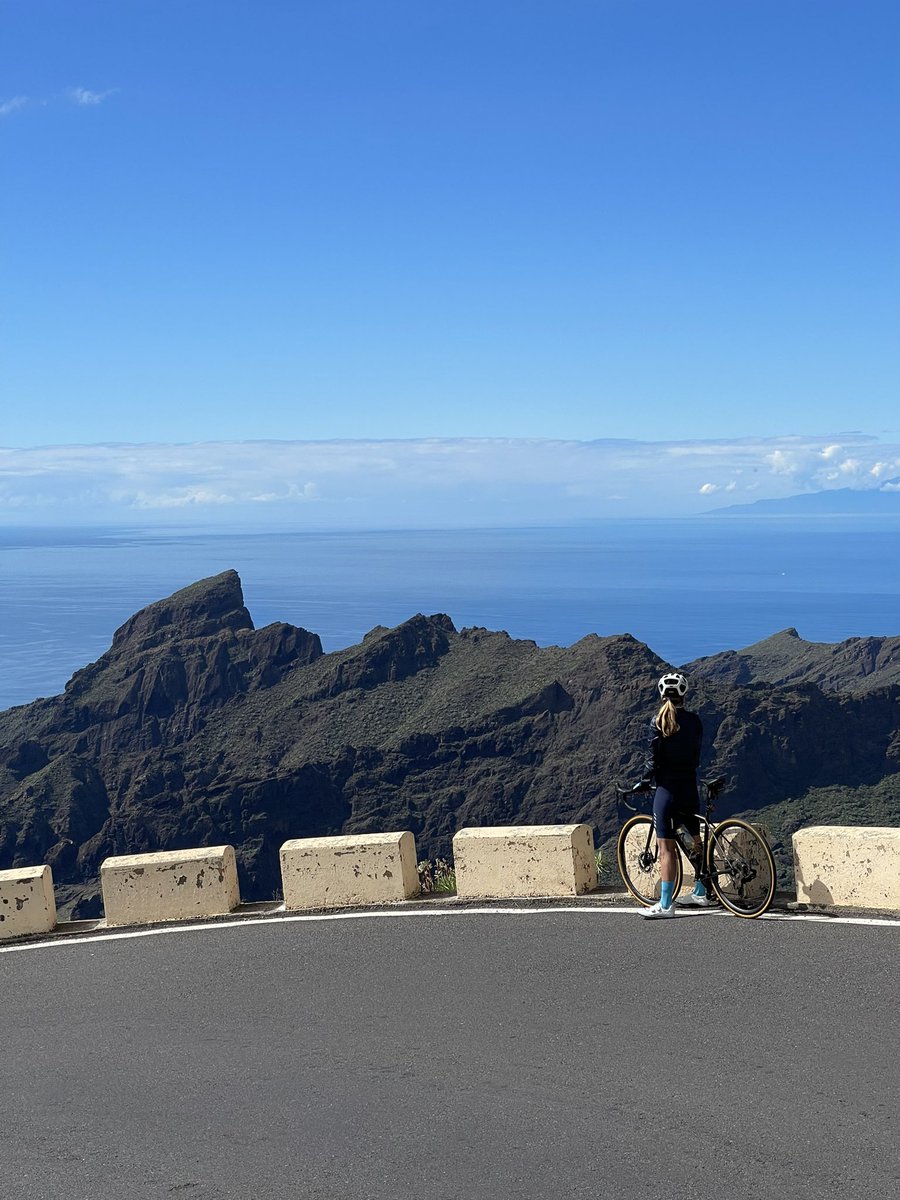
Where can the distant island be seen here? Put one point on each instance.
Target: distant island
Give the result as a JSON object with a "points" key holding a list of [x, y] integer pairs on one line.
{"points": [[836, 502]]}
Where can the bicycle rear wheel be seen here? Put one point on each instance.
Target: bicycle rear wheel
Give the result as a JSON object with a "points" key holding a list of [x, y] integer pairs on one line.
{"points": [[741, 867], [638, 857]]}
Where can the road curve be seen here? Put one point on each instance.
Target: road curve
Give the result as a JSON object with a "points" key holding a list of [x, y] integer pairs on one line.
{"points": [[556, 1054]]}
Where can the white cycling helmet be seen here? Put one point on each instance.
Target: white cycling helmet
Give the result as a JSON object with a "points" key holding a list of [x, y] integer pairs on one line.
{"points": [[671, 685]]}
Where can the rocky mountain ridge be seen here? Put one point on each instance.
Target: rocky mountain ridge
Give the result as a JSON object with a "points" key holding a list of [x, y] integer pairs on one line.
{"points": [[857, 665], [195, 728]]}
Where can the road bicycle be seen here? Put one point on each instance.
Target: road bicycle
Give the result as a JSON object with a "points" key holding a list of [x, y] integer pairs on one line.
{"points": [[737, 865]]}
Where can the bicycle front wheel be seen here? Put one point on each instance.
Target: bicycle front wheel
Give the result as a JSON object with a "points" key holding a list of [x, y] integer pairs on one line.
{"points": [[637, 854], [741, 868]]}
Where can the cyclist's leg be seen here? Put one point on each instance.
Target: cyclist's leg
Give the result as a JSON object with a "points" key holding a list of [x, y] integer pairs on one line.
{"points": [[664, 825], [689, 802], [667, 853], [692, 825], [696, 861]]}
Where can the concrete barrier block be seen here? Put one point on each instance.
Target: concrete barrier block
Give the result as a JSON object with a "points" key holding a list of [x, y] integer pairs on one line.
{"points": [[848, 865], [27, 902], [174, 885], [355, 869], [524, 860]]}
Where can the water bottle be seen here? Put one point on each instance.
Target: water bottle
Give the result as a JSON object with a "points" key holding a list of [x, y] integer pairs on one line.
{"points": [[687, 842]]}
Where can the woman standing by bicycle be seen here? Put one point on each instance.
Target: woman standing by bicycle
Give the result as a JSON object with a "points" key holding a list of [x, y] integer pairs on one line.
{"points": [[673, 757]]}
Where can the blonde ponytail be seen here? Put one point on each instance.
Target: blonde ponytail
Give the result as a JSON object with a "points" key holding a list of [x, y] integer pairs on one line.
{"points": [[666, 720]]}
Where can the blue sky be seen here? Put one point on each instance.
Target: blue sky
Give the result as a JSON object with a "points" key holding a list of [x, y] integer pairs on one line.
{"points": [[673, 221]]}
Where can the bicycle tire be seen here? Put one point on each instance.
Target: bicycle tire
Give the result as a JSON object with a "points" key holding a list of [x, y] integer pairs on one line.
{"points": [[741, 868], [638, 866]]}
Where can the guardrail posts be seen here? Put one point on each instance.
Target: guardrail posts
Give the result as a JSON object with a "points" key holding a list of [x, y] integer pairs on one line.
{"points": [[508, 861], [170, 886], [849, 866], [342, 872], [27, 902]]}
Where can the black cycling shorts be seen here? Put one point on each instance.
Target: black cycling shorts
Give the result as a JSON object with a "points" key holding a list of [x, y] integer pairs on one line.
{"points": [[676, 804]]}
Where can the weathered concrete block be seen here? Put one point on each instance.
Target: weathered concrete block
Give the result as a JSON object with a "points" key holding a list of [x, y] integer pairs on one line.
{"points": [[848, 865], [174, 885], [524, 860], [27, 902], [340, 872]]}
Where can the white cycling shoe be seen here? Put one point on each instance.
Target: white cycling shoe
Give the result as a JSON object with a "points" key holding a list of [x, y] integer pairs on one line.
{"points": [[651, 914], [692, 900]]}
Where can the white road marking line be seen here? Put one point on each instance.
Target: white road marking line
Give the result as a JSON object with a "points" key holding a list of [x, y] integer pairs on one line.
{"points": [[247, 922], [830, 920]]}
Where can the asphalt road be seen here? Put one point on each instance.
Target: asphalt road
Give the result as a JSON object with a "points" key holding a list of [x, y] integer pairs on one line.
{"points": [[558, 1054]]}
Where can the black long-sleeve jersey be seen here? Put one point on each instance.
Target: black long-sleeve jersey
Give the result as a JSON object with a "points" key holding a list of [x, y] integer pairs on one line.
{"points": [[677, 756]]}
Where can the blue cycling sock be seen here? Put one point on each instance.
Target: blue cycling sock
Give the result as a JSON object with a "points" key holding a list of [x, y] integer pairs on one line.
{"points": [[666, 887], [699, 889]]}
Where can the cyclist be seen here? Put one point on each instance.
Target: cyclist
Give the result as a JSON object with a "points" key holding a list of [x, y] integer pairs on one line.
{"points": [[672, 759]]}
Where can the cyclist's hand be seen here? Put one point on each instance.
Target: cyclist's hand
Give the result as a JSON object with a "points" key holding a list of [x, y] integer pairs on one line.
{"points": [[643, 786]]}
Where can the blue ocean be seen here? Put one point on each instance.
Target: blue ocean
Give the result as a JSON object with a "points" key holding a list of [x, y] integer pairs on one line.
{"points": [[685, 587]]}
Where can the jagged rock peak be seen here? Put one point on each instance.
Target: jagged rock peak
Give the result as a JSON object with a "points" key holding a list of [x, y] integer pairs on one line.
{"points": [[782, 637], [392, 654], [203, 608]]}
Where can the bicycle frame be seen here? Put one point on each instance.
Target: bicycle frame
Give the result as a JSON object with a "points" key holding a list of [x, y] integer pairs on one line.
{"points": [[713, 787], [736, 862]]}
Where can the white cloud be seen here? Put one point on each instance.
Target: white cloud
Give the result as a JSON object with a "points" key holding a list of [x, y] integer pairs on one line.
{"points": [[436, 480], [882, 468], [309, 491], [83, 97], [80, 95], [10, 106], [850, 466], [781, 462], [831, 451], [181, 498]]}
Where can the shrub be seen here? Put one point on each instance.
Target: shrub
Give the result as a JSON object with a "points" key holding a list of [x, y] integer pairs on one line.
{"points": [[436, 875]]}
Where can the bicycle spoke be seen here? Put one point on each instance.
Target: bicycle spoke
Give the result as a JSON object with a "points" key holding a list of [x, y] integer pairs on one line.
{"points": [[638, 857], [742, 868]]}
